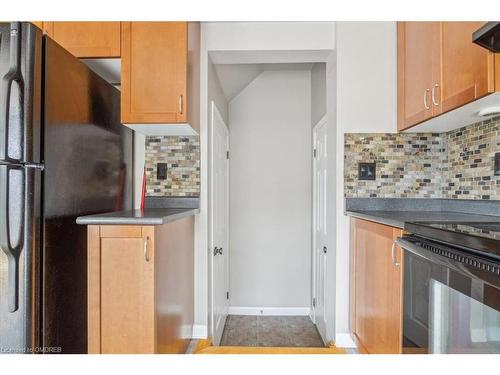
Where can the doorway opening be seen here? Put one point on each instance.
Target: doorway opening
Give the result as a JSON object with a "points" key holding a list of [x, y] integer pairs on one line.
{"points": [[267, 189]]}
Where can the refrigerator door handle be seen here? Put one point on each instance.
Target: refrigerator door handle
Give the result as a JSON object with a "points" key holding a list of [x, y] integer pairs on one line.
{"points": [[13, 252], [14, 74]]}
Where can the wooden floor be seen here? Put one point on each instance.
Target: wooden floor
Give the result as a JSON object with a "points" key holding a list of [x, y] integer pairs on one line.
{"points": [[205, 347]]}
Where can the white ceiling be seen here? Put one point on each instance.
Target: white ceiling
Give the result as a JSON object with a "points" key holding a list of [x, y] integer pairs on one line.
{"points": [[235, 77]]}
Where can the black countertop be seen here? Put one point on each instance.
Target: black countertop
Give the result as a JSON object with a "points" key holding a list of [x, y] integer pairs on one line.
{"points": [[398, 218], [396, 211]]}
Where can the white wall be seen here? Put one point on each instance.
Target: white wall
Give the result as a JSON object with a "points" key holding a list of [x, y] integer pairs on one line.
{"points": [[262, 36], [270, 191], [215, 91], [318, 92], [366, 103], [290, 39]]}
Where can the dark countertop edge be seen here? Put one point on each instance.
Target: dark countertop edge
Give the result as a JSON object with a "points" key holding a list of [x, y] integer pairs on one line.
{"points": [[465, 206], [376, 219], [125, 218], [171, 202]]}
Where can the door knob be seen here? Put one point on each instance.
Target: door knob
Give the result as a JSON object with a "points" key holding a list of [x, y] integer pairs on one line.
{"points": [[217, 250]]}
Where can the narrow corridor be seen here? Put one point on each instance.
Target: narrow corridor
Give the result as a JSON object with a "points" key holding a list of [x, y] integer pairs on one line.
{"points": [[278, 331]]}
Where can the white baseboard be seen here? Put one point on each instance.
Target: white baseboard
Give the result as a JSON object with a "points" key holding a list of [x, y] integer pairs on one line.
{"points": [[270, 311], [200, 331], [186, 331], [344, 340]]}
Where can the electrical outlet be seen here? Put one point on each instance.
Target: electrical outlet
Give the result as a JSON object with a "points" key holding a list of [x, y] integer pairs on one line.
{"points": [[497, 164], [366, 171], [161, 171]]}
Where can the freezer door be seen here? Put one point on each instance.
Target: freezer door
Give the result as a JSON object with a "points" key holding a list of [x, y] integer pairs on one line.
{"points": [[20, 187], [85, 162]]}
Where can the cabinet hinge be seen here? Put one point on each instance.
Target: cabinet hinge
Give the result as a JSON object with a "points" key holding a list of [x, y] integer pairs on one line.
{"points": [[227, 154], [314, 153], [227, 295], [314, 302]]}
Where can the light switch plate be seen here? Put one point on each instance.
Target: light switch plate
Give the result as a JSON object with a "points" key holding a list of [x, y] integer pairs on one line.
{"points": [[161, 171], [366, 171]]}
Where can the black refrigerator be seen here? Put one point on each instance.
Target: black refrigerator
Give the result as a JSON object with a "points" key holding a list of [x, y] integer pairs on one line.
{"points": [[63, 154]]}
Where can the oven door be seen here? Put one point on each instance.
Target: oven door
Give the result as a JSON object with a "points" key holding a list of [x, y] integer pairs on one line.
{"points": [[450, 306]]}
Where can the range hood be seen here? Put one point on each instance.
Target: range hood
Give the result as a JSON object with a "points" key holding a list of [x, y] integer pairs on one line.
{"points": [[488, 36]]}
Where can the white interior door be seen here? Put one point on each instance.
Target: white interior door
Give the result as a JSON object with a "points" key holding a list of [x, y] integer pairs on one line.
{"points": [[219, 193], [320, 229]]}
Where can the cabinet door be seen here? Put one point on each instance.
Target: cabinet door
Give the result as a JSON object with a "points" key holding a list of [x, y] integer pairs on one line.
{"points": [[377, 288], [418, 63], [154, 72], [467, 69], [86, 39], [127, 295]]}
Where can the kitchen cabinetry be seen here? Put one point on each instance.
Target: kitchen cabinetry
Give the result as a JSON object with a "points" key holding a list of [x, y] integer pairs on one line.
{"points": [[418, 68], [140, 288], [377, 286], [87, 39], [467, 69], [439, 69], [160, 72]]}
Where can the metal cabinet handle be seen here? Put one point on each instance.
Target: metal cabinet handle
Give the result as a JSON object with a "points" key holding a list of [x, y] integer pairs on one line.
{"points": [[146, 250], [395, 263], [425, 99], [433, 95], [180, 104]]}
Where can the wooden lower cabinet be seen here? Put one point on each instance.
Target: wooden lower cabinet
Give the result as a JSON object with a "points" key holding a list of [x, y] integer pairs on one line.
{"points": [[140, 288], [377, 310]]}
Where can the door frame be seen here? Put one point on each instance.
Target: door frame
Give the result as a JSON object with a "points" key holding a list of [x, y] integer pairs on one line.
{"points": [[321, 122], [215, 113]]}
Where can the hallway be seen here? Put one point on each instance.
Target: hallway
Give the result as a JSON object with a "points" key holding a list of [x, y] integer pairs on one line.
{"points": [[270, 331]]}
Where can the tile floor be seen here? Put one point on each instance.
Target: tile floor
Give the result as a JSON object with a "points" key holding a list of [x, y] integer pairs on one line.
{"points": [[245, 330]]}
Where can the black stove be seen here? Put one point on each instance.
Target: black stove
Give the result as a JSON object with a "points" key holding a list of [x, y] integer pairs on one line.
{"points": [[451, 277], [480, 238]]}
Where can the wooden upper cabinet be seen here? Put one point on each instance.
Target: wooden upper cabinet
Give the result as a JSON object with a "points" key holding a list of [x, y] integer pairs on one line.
{"points": [[87, 39], [377, 289], [154, 72], [440, 69], [467, 69], [418, 50]]}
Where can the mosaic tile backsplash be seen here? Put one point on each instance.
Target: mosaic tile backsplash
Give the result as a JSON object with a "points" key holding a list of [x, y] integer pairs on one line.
{"points": [[182, 156], [457, 164]]}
